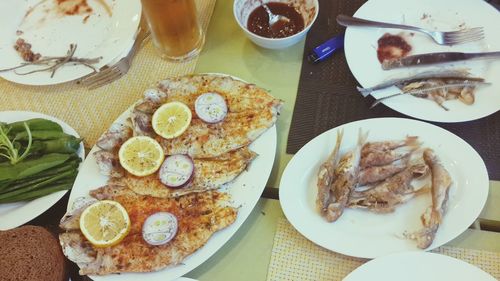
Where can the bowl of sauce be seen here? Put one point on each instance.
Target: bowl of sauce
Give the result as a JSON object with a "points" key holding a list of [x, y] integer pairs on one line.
{"points": [[254, 21]]}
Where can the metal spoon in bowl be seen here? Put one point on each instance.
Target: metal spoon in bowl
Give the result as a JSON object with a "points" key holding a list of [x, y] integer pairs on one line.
{"points": [[272, 17]]}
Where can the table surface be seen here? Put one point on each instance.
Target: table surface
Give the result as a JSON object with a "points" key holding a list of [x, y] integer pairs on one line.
{"points": [[227, 50]]}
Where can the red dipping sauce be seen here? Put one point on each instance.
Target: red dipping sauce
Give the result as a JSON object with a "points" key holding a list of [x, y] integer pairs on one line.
{"points": [[392, 47], [258, 21]]}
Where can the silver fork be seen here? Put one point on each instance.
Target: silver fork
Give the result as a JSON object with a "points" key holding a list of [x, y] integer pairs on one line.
{"points": [[117, 70], [442, 38]]}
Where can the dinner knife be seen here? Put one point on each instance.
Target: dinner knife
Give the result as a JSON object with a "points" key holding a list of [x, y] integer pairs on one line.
{"points": [[435, 58]]}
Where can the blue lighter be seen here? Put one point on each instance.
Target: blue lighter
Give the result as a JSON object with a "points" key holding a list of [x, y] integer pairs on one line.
{"points": [[326, 49]]}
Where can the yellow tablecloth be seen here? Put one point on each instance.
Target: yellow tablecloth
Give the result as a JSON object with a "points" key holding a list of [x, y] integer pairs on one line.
{"points": [[295, 258], [91, 112]]}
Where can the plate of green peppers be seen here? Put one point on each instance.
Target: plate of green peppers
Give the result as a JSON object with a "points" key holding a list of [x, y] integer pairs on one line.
{"points": [[40, 156]]}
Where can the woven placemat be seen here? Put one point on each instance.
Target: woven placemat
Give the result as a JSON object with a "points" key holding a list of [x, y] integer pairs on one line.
{"points": [[294, 257], [327, 96], [90, 113]]}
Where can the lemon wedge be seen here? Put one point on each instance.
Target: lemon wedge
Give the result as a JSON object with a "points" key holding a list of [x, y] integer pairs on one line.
{"points": [[105, 223], [141, 156], [171, 119]]}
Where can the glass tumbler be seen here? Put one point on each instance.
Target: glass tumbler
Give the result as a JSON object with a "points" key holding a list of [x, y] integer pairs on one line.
{"points": [[175, 29]]}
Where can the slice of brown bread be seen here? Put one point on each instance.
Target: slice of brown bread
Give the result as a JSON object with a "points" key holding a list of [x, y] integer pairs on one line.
{"points": [[31, 253]]}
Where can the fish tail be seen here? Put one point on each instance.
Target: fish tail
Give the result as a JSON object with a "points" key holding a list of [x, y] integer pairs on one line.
{"points": [[364, 91], [334, 155], [340, 136], [362, 137], [412, 142]]}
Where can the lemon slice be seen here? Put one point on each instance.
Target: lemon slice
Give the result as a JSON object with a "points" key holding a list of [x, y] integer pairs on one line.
{"points": [[171, 119], [105, 223], [141, 156]]}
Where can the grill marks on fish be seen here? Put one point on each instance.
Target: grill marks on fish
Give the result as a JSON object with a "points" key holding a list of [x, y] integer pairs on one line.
{"points": [[199, 216]]}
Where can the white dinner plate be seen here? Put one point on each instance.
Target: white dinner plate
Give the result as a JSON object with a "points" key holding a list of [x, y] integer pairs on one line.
{"points": [[15, 214], [245, 192], [50, 33], [361, 53], [364, 234], [417, 266]]}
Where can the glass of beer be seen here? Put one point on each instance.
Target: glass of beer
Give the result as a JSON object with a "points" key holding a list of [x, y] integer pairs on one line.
{"points": [[174, 26]]}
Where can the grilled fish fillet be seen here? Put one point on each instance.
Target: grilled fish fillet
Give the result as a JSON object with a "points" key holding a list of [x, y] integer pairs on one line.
{"points": [[239, 96], [202, 140], [199, 216], [209, 173]]}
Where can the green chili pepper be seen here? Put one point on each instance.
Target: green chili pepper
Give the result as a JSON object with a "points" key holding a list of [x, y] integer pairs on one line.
{"points": [[41, 135], [69, 144], [24, 189], [32, 166], [38, 193], [36, 124]]}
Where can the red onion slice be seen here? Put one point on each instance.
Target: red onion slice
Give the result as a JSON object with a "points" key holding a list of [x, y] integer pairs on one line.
{"points": [[211, 107], [177, 170]]}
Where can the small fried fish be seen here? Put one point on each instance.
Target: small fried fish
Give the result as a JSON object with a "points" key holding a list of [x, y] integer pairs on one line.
{"points": [[432, 218], [378, 173], [326, 176], [382, 153], [346, 179], [393, 191]]}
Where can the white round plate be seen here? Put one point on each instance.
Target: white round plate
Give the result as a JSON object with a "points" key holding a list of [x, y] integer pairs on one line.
{"points": [[417, 266], [364, 234], [51, 33], [16, 214], [361, 53], [245, 192]]}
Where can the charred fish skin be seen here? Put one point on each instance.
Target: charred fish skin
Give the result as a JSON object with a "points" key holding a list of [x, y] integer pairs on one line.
{"points": [[326, 176], [346, 179]]}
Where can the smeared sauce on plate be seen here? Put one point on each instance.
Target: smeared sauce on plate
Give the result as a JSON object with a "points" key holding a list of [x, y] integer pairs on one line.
{"points": [[69, 8], [79, 7], [258, 21], [392, 47]]}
